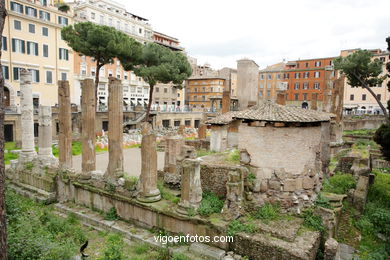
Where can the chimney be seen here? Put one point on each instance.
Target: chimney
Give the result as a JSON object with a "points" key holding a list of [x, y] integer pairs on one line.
{"points": [[281, 98], [226, 95]]}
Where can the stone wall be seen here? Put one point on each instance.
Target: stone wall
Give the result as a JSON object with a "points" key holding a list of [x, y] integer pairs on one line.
{"points": [[287, 162], [214, 178], [370, 122], [173, 117]]}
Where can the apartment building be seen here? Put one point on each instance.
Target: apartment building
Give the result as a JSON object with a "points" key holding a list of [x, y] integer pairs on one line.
{"points": [[32, 40], [358, 100], [307, 77], [205, 92], [111, 13], [271, 80]]}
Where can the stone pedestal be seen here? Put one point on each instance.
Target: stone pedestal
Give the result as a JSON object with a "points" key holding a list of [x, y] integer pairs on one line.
{"points": [[202, 134], [173, 145], [28, 152], [88, 113], [191, 188], [148, 179], [115, 129], [45, 152], [65, 125], [331, 249]]}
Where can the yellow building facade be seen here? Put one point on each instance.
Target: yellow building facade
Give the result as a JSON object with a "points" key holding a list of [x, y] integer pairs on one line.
{"points": [[32, 40]]}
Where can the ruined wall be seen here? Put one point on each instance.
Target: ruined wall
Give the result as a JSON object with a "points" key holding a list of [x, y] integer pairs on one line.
{"points": [[219, 138], [247, 83], [286, 161], [373, 122]]}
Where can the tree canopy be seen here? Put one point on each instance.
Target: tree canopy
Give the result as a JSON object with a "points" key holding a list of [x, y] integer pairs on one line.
{"points": [[363, 71], [159, 64], [103, 43]]}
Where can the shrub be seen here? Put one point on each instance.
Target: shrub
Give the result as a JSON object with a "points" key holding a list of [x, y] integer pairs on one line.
{"points": [[322, 201], [210, 204], [382, 137], [111, 214], [268, 212], [234, 156], [339, 183], [114, 248], [141, 249]]}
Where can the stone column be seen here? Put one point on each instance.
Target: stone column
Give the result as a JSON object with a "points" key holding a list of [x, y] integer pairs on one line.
{"points": [[226, 101], [173, 145], [314, 98], [234, 194], [115, 129], [65, 125], [26, 105], [331, 249], [202, 131], [45, 153], [88, 113], [148, 179], [191, 188]]}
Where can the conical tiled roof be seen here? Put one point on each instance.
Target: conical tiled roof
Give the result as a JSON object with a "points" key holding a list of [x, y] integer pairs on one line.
{"points": [[269, 111]]}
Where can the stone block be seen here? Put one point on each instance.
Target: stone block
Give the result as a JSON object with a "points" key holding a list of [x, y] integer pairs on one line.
{"points": [[290, 185], [264, 186], [206, 251], [274, 185], [308, 183], [360, 194]]}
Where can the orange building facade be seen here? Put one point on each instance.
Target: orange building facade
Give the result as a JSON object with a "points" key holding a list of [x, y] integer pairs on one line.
{"points": [[205, 93]]}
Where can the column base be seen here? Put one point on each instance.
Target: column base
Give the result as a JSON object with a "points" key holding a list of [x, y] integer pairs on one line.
{"points": [[27, 156], [152, 196], [183, 208]]}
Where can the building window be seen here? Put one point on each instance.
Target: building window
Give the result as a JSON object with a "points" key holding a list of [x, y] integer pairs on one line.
{"points": [[45, 31], [165, 90], [269, 76], [64, 76], [31, 11], [278, 76], [316, 74], [261, 93], [16, 72], [306, 75], [44, 16], [317, 63], [157, 90], [379, 96], [64, 54], [296, 85], [18, 46], [43, 2], [49, 77], [297, 75], [16, 7], [4, 46], [93, 71], [34, 75], [262, 76], [307, 64], [93, 16], [269, 85], [45, 50], [62, 20], [304, 96], [204, 98], [364, 97], [139, 90], [31, 28], [5, 72], [305, 85], [101, 19], [125, 76], [32, 48], [268, 93], [17, 25], [261, 85], [296, 96], [351, 97], [316, 85], [83, 70]]}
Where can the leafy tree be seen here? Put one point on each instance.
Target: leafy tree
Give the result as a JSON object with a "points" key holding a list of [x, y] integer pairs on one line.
{"points": [[382, 135], [362, 71], [103, 43], [159, 64], [3, 229]]}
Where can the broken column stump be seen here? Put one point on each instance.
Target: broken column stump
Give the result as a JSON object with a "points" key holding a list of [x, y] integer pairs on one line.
{"points": [[88, 113], [202, 131], [191, 188], [45, 152], [115, 129], [173, 145], [234, 194], [28, 152], [148, 179], [65, 125]]}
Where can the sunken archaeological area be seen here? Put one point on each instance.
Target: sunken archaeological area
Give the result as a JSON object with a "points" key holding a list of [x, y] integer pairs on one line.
{"points": [[260, 174]]}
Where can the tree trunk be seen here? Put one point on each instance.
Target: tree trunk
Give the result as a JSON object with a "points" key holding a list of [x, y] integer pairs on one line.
{"points": [[149, 103], [97, 75], [3, 229], [364, 85]]}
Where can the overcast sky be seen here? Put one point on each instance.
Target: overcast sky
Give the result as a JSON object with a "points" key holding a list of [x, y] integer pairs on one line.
{"points": [[220, 32]]}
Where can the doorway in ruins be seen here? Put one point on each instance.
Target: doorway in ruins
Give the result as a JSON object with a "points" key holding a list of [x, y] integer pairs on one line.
{"points": [[305, 105], [9, 133]]}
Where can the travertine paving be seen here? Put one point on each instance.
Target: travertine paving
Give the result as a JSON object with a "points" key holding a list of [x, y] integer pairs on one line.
{"points": [[132, 161]]}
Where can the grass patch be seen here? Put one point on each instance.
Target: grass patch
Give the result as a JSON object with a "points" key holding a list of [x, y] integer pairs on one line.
{"points": [[203, 152], [179, 256], [237, 226], [210, 204], [166, 193], [312, 222], [114, 248], [339, 183], [361, 132], [10, 146], [111, 214], [268, 212], [323, 202]]}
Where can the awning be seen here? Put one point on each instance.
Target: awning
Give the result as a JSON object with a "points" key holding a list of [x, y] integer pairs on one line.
{"points": [[126, 101], [350, 106]]}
